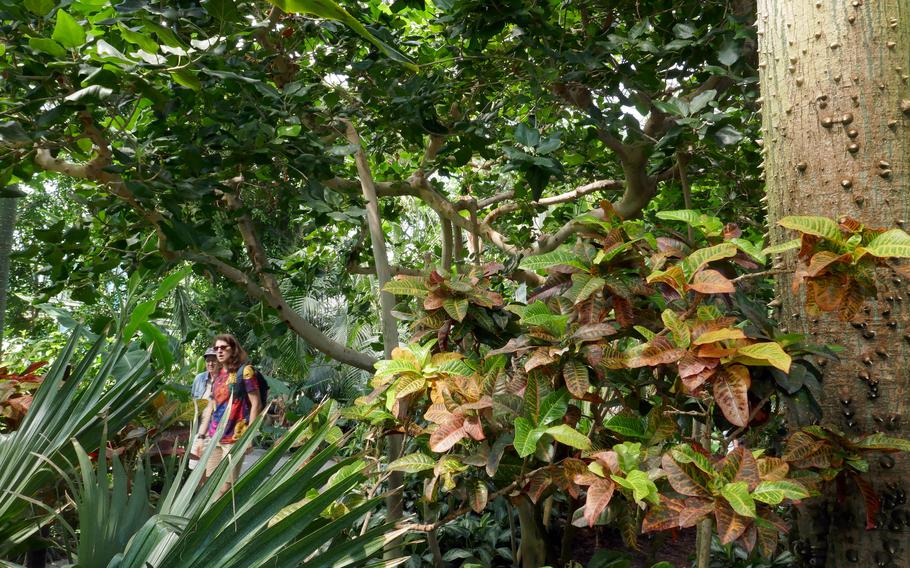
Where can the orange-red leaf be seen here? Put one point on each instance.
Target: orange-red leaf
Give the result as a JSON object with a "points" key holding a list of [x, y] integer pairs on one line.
{"points": [[695, 510], [539, 358], [739, 465], [694, 382], [730, 526], [692, 365], [662, 517], [538, 483], [473, 428], [731, 391], [822, 262], [873, 504], [828, 291], [685, 478], [711, 282], [599, 494], [448, 434], [852, 302], [659, 351]]}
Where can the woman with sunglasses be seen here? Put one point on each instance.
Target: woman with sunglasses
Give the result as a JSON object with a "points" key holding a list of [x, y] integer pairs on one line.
{"points": [[231, 398]]}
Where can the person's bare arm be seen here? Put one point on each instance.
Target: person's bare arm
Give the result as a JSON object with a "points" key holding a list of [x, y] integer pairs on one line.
{"points": [[255, 405]]}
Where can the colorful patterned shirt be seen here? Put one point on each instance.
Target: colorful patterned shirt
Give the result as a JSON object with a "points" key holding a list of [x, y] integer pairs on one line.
{"points": [[238, 415]]}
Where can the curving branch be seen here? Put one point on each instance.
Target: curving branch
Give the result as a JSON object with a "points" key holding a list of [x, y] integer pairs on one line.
{"points": [[553, 200], [269, 292]]}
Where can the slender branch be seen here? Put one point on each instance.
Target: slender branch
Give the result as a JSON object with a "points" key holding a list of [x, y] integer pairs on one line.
{"points": [[763, 274], [572, 195], [395, 500], [395, 270], [494, 199], [94, 171], [271, 294], [383, 188]]}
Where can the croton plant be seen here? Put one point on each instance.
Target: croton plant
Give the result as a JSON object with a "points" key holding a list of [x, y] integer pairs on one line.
{"points": [[597, 384]]}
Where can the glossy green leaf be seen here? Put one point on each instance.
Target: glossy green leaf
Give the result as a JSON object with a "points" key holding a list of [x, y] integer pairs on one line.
{"points": [[67, 30], [526, 437], [565, 434], [46, 45]]}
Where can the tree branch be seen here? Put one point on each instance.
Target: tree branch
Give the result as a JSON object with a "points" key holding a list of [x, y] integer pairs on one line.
{"points": [[446, 243], [94, 171], [370, 269], [553, 200]]}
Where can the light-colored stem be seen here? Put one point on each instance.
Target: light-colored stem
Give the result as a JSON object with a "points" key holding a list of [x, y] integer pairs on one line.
{"points": [[394, 501]]}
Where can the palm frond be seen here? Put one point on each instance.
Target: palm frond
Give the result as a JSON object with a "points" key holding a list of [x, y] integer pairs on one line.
{"points": [[271, 516], [71, 403]]}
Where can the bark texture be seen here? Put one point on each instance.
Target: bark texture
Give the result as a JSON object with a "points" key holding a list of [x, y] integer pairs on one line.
{"points": [[834, 75], [7, 224]]}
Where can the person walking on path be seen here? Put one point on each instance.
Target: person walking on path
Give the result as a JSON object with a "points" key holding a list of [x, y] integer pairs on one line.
{"points": [[205, 379], [232, 398]]}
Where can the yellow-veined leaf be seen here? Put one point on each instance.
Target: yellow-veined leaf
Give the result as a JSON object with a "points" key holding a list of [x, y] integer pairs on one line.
{"points": [[682, 336], [819, 226], [409, 384], [404, 285], [413, 463], [701, 257], [583, 285], [724, 334], [526, 437], [894, 243], [770, 353], [557, 257], [774, 492], [737, 495], [457, 308], [782, 247], [575, 374]]}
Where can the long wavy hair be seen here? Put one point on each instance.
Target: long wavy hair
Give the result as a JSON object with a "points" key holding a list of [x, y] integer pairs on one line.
{"points": [[238, 355]]}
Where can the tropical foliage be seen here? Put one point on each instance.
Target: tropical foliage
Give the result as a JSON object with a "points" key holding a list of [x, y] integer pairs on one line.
{"points": [[568, 194]]}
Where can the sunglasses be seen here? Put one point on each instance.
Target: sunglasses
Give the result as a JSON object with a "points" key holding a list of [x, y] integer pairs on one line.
{"points": [[222, 348]]}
